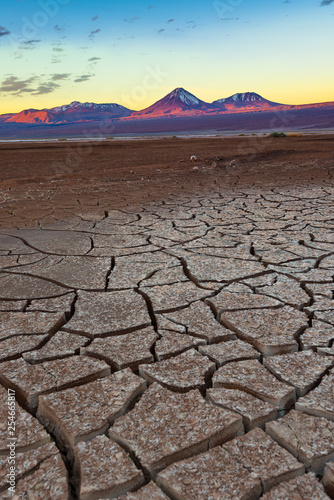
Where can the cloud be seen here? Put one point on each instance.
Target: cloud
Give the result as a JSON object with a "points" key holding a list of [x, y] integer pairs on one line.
{"points": [[4, 31], [59, 28], [31, 42], [95, 18], [160, 31], [57, 49], [94, 59], [33, 85], [151, 7], [131, 19], [13, 85], [324, 3], [45, 88], [60, 76], [170, 21], [93, 33], [82, 78]]}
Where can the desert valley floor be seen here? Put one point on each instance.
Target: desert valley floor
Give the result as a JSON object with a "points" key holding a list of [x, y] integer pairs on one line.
{"points": [[167, 325]]}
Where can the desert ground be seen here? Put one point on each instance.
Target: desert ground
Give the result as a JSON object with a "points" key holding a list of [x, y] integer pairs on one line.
{"points": [[167, 325]]}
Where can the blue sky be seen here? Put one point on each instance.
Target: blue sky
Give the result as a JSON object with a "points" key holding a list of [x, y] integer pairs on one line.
{"points": [[134, 52]]}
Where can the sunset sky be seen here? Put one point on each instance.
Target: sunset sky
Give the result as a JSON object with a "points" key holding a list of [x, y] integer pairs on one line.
{"points": [[134, 52]]}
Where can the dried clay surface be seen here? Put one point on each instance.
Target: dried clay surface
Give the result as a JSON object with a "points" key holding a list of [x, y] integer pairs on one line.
{"points": [[176, 348]]}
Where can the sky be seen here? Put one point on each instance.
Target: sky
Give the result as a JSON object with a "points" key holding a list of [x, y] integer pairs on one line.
{"points": [[133, 52]]}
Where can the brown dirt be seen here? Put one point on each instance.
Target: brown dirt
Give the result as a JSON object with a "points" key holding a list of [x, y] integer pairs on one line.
{"points": [[64, 179]]}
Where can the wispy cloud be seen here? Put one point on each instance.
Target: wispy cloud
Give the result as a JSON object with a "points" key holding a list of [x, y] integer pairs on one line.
{"points": [[170, 21], [50, 86], [93, 33], [131, 19], [324, 3], [82, 78], [59, 28], [151, 7], [57, 49], [45, 88], [191, 25], [12, 84], [34, 85], [95, 18], [31, 43], [4, 31], [60, 76], [94, 59]]}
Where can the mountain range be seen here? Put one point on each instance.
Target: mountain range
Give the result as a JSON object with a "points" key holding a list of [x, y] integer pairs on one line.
{"points": [[177, 104]]}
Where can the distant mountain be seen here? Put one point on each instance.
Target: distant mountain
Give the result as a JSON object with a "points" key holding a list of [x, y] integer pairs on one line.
{"points": [[70, 113], [33, 117], [245, 100], [89, 111], [4, 118], [177, 102]]}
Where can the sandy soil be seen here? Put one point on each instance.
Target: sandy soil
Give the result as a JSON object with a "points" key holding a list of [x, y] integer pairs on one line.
{"points": [[65, 179]]}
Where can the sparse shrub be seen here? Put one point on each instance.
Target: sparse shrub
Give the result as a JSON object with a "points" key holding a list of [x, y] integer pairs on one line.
{"points": [[277, 134], [174, 137], [241, 135], [109, 137], [62, 139], [295, 134]]}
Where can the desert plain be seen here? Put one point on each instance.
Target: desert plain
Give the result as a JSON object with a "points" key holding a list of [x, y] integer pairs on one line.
{"points": [[167, 323]]}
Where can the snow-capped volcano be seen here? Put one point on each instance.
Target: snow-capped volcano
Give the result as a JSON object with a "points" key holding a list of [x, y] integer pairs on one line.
{"points": [[176, 102], [246, 99], [183, 97]]}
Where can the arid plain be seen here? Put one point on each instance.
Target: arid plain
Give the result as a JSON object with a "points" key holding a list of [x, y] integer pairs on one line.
{"points": [[167, 325]]}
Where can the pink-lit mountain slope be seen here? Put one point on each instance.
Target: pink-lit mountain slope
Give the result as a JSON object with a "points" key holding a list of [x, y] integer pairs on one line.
{"points": [[179, 102], [70, 113], [247, 100]]}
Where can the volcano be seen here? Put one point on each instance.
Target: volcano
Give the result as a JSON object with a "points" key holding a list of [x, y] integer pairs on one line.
{"points": [[245, 101], [177, 102]]}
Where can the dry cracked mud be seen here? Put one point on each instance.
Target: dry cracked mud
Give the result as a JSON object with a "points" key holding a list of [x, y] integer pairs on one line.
{"points": [[182, 349]]}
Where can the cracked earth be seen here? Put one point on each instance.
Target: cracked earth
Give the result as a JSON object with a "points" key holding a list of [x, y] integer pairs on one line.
{"points": [[182, 351]]}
